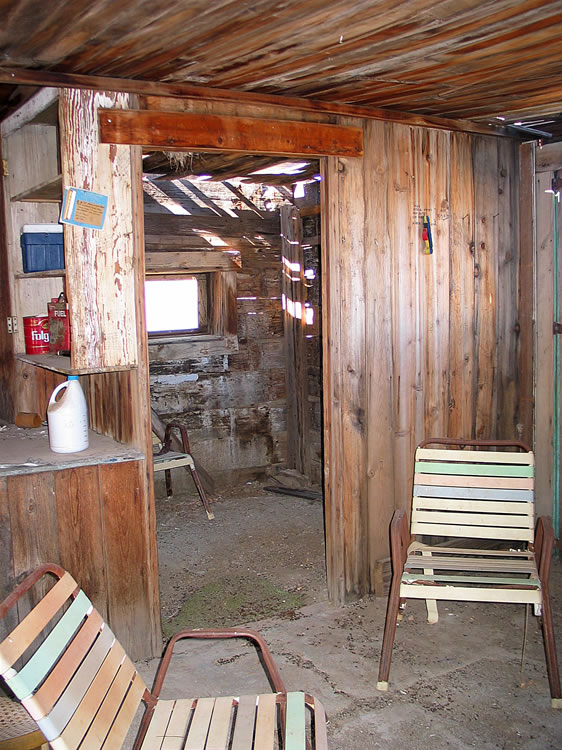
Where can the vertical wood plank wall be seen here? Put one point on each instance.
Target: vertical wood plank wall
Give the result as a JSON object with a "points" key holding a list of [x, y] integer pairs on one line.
{"points": [[415, 345], [548, 161]]}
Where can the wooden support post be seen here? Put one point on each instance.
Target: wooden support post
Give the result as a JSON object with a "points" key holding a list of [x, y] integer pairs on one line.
{"points": [[345, 420], [292, 287]]}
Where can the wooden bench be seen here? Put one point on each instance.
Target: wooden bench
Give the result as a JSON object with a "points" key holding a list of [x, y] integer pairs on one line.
{"points": [[470, 497], [74, 679]]}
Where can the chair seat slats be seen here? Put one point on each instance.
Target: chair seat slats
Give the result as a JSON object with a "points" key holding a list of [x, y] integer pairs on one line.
{"points": [[172, 461], [28, 678], [496, 457], [158, 726], [31, 626], [473, 469], [266, 722], [200, 724], [500, 483], [417, 548], [437, 562], [219, 730], [471, 593], [42, 702], [295, 735], [472, 493], [53, 724], [244, 727], [320, 730], [461, 580], [229, 723], [179, 721]]}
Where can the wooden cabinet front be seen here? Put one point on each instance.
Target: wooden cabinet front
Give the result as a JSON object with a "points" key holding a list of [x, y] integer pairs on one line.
{"points": [[89, 519]]}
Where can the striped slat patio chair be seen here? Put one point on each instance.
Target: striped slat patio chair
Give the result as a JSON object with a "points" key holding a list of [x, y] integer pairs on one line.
{"points": [[476, 497], [65, 666]]}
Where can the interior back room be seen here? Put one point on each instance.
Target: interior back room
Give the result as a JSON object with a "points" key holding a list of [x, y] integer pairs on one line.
{"points": [[226, 379]]}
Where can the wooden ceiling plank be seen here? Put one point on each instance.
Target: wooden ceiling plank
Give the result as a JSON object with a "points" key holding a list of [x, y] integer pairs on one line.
{"points": [[410, 35], [353, 56]]}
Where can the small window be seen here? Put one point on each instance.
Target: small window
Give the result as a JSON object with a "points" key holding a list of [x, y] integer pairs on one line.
{"points": [[176, 305]]}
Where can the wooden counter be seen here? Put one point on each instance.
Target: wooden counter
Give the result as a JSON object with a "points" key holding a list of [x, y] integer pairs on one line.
{"points": [[82, 511], [26, 451]]}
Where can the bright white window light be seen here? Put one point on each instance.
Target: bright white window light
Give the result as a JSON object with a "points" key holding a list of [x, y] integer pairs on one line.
{"points": [[171, 305]]}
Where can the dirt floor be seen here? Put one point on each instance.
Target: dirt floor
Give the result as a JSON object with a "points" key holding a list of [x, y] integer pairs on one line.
{"points": [[262, 555], [455, 684]]}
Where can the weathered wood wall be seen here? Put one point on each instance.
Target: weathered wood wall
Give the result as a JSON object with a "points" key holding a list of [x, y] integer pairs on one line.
{"points": [[415, 345]]}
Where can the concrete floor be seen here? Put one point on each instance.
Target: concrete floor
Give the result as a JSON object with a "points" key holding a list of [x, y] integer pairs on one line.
{"points": [[455, 684]]}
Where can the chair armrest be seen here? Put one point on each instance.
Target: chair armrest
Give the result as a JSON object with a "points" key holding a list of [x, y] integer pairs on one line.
{"points": [[400, 540], [268, 663], [28, 582], [544, 542]]}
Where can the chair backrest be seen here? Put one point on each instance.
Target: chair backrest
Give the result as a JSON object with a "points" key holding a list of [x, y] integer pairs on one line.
{"points": [[68, 670], [473, 493]]}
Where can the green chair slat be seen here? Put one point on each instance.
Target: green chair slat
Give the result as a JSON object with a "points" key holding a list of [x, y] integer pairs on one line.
{"points": [[28, 678], [295, 723], [482, 470]]}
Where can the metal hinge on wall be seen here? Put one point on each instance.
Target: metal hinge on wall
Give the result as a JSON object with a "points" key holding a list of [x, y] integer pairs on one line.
{"points": [[5, 171], [12, 324]]}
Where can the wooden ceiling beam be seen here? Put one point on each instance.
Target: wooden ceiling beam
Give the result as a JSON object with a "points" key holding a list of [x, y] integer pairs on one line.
{"points": [[26, 77], [184, 130]]}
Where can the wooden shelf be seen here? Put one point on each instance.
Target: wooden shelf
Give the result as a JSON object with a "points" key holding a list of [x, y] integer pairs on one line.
{"points": [[57, 273], [47, 192], [55, 363]]}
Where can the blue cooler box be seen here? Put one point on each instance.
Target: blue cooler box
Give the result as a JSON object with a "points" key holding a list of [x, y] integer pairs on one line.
{"points": [[42, 247]]}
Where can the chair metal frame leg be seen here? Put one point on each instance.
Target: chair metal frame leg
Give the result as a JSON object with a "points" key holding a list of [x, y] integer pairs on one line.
{"points": [[544, 543], [399, 542]]}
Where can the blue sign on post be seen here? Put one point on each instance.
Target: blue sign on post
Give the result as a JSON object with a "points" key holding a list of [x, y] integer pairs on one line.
{"points": [[83, 208]]}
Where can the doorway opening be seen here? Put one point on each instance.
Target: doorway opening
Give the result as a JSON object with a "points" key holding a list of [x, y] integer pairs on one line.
{"points": [[246, 381]]}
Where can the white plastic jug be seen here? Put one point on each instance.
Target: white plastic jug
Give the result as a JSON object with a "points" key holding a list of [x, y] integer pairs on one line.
{"points": [[68, 418]]}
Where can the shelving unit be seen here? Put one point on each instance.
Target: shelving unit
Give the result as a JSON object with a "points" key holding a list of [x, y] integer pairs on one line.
{"points": [[99, 274], [48, 192], [91, 512]]}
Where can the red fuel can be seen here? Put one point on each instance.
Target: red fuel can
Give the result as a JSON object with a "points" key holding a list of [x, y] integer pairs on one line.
{"points": [[36, 334]]}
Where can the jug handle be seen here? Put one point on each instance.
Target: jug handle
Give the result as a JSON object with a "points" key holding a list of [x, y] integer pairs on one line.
{"points": [[56, 391]]}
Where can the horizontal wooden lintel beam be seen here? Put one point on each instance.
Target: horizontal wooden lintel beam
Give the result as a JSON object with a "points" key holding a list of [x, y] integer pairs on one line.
{"points": [[26, 77], [189, 262], [185, 131]]}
